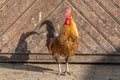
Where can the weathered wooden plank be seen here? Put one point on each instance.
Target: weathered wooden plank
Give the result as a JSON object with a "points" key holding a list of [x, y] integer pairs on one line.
{"points": [[26, 19], [90, 43], [88, 14], [17, 9], [110, 9], [37, 43], [3, 2], [33, 57], [107, 22], [3, 12], [116, 3], [104, 17], [4, 38]]}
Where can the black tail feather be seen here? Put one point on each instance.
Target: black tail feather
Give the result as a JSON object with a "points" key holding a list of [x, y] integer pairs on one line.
{"points": [[51, 31]]}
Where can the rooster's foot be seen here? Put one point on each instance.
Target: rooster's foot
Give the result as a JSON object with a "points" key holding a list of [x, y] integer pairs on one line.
{"points": [[67, 72]]}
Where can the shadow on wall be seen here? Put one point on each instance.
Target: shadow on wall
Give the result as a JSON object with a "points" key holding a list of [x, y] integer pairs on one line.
{"points": [[22, 44], [104, 71], [21, 48]]}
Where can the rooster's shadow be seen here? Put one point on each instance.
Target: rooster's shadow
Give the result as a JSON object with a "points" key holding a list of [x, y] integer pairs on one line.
{"points": [[22, 49]]}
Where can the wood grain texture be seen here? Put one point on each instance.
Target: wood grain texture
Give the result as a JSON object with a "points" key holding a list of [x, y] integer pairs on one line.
{"points": [[97, 21]]}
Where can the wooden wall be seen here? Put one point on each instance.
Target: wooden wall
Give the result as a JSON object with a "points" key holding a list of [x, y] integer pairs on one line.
{"points": [[98, 22]]}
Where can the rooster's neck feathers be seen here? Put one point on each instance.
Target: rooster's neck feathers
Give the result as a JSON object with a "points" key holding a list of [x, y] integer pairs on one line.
{"points": [[69, 28]]}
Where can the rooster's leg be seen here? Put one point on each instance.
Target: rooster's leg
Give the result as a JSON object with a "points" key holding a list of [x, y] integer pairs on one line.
{"points": [[59, 66], [59, 69], [67, 68], [67, 71]]}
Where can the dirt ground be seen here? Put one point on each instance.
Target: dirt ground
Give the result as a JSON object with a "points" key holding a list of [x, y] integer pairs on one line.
{"points": [[18, 71]]}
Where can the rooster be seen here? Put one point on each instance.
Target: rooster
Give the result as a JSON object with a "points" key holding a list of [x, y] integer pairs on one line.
{"points": [[64, 45]]}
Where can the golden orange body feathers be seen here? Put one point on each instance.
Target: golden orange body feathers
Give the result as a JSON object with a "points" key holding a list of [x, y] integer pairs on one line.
{"points": [[67, 42]]}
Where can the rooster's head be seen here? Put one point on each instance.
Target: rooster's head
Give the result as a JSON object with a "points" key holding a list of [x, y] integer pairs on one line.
{"points": [[68, 16]]}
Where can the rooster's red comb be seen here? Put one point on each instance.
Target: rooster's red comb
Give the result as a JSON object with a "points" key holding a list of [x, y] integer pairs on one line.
{"points": [[68, 12]]}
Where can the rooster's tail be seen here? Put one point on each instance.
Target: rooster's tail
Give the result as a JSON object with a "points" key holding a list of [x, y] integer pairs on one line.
{"points": [[51, 32]]}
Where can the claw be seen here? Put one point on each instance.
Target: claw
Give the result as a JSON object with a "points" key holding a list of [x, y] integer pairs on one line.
{"points": [[59, 74], [67, 72]]}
